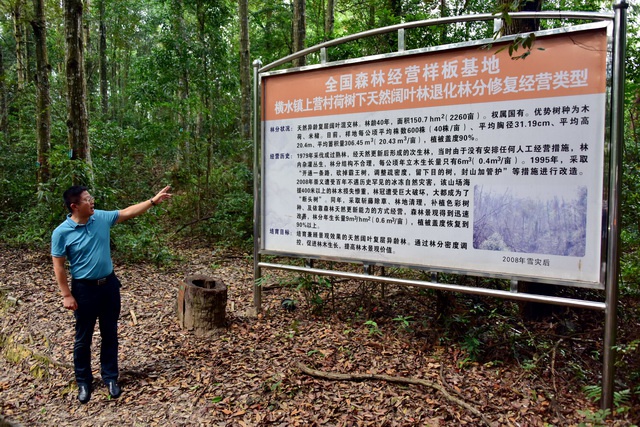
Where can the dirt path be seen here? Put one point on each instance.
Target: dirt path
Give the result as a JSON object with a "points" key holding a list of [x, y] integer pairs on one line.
{"points": [[248, 374]]}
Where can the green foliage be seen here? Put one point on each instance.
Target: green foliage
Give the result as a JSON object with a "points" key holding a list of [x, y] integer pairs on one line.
{"points": [[621, 400], [404, 323], [261, 281], [289, 304], [630, 264], [273, 384], [472, 346], [31, 211], [373, 328], [221, 206], [174, 109], [314, 289], [18, 158], [629, 349], [526, 43], [595, 419], [141, 240], [270, 22]]}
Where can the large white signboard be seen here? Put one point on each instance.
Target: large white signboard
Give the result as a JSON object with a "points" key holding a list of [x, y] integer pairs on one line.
{"points": [[462, 160]]}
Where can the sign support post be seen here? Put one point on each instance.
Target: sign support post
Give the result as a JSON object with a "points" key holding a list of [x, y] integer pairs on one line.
{"points": [[615, 183], [257, 218]]}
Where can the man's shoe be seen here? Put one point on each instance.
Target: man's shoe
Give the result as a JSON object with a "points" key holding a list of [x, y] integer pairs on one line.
{"points": [[84, 393], [114, 389]]}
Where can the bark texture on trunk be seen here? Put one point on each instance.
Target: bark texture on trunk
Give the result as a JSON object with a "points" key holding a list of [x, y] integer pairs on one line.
{"points": [[523, 26], [299, 30], [530, 310], [21, 44], [77, 116], [245, 70], [3, 99], [329, 19], [43, 101], [104, 82], [202, 302]]}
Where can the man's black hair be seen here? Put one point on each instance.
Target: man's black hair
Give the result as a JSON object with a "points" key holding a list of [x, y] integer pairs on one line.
{"points": [[72, 195]]}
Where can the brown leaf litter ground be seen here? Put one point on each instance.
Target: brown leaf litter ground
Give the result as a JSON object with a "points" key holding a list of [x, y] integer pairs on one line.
{"points": [[506, 373]]}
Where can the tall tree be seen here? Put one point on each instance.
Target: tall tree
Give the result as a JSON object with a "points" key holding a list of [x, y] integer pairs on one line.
{"points": [[299, 29], [245, 71], [529, 310], [272, 29], [77, 117], [102, 49], [43, 102], [180, 29], [89, 54], [329, 19], [520, 26], [3, 94], [21, 44], [444, 12]]}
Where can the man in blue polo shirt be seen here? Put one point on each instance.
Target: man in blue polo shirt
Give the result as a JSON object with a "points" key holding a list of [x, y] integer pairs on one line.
{"points": [[83, 240]]}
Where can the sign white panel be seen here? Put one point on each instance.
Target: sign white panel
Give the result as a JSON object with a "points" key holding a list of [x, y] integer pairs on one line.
{"points": [[461, 160]]}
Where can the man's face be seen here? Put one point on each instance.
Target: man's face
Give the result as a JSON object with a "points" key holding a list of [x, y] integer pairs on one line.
{"points": [[85, 204]]}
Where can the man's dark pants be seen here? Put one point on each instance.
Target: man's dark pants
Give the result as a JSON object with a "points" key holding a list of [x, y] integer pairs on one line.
{"points": [[96, 301]]}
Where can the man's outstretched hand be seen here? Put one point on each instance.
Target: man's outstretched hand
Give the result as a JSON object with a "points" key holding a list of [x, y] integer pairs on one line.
{"points": [[162, 195]]}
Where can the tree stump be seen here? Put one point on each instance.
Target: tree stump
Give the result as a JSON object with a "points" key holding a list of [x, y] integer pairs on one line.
{"points": [[202, 302]]}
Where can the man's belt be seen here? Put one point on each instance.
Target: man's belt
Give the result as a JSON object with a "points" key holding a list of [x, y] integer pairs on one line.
{"points": [[95, 282]]}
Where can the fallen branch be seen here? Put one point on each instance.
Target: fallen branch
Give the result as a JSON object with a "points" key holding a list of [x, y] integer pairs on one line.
{"points": [[401, 380], [553, 364], [448, 387]]}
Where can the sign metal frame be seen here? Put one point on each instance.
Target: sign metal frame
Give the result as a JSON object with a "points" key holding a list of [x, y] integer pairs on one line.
{"points": [[617, 22]]}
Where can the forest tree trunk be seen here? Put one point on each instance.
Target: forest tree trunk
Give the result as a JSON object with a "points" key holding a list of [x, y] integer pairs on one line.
{"points": [[529, 310], [522, 26], [77, 117], [3, 100], [102, 51], [183, 156], [444, 12], [88, 55], [299, 30], [245, 71], [21, 50], [43, 102], [329, 19]]}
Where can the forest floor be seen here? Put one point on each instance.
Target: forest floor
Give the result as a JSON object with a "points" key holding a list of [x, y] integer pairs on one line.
{"points": [[402, 362]]}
